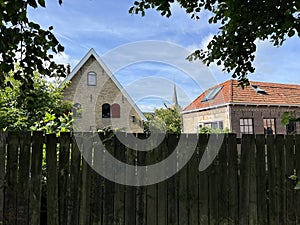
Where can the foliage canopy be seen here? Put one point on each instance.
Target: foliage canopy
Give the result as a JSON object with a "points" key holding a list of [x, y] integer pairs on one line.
{"points": [[25, 43], [241, 23]]}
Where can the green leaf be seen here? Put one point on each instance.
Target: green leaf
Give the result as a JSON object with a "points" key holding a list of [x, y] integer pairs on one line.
{"points": [[293, 177], [297, 187], [42, 3]]}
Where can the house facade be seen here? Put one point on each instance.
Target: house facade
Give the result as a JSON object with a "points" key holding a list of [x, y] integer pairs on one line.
{"points": [[99, 99], [255, 109]]}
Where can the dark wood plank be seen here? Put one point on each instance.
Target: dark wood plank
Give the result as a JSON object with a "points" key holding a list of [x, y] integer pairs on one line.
{"points": [[203, 183], [130, 195], [36, 176], [173, 197], [151, 158], [297, 194], [23, 178], [280, 178], [183, 210], [162, 194], [74, 197], [10, 204], [52, 180], [246, 144], [63, 175], [86, 151], [2, 173], [290, 192], [109, 188], [223, 175], [193, 182], [273, 209], [119, 197], [233, 179], [97, 185], [261, 181], [252, 183], [213, 171]]}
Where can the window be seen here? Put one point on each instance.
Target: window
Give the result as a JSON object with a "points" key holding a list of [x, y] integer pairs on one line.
{"points": [[214, 125], [270, 126], [291, 128], [246, 126], [92, 79], [258, 89], [76, 110], [115, 110], [105, 110], [212, 94]]}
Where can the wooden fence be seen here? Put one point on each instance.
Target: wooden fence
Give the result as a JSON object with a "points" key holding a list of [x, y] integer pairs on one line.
{"points": [[44, 180]]}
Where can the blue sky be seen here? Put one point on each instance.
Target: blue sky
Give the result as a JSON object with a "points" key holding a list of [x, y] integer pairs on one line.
{"points": [[147, 54]]}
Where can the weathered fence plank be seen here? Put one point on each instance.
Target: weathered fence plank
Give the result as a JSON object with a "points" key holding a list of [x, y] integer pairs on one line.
{"points": [[2, 173], [36, 177], [233, 180], [290, 192], [280, 177], [74, 197], [252, 184], [203, 183], [246, 148], [23, 178], [130, 194], [223, 188], [86, 151], [297, 167], [261, 181], [63, 175], [213, 146], [183, 209], [193, 182], [52, 180], [162, 194], [10, 204], [273, 207]]}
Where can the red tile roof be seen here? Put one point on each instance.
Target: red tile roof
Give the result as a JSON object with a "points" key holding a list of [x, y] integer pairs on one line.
{"points": [[274, 94]]}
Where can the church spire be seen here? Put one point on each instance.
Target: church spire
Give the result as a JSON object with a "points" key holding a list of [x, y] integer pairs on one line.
{"points": [[174, 98]]}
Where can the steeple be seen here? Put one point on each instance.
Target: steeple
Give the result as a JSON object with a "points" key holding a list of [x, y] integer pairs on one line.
{"points": [[174, 98]]}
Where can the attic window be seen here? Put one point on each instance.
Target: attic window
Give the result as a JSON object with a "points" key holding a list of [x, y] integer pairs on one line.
{"points": [[212, 94], [258, 89], [92, 79]]}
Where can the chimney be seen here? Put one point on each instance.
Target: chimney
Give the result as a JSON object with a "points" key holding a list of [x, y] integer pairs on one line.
{"points": [[68, 69]]}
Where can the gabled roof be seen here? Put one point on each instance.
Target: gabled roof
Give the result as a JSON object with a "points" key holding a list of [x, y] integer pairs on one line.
{"points": [[92, 52], [257, 93]]}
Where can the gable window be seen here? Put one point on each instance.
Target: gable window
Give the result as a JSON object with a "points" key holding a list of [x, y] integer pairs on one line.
{"points": [[76, 110], [212, 94], [270, 126], [105, 110], [92, 79], [115, 110], [246, 126], [291, 128]]}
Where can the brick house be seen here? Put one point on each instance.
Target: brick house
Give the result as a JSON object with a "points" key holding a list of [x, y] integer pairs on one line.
{"points": [[99, 99], [255, 109]]}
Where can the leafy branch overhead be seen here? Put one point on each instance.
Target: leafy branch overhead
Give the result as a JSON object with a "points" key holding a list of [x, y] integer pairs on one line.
{"points": [[241, 23], [25, 43]]}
